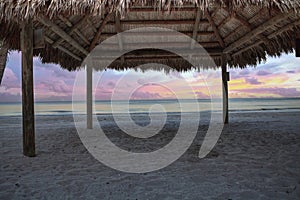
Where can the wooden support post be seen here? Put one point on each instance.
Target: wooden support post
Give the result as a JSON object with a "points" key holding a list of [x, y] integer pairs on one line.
{"points": [[89, 97], [298, 45], [225, 89], [27, 89]]}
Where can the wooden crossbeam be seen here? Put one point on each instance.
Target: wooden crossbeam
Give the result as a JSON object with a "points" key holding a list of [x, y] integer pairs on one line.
{"points": [[119, 30], [196, 27], [100, 29], [238, 29], [160, 22], [90, 23], [215, 29], [258, 30], [74, 29], [143, 9], [148, 33], [274, 34], [50, 41], [245, 23], [56, 29]]}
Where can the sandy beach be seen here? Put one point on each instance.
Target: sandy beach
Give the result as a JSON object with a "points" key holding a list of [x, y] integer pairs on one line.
{"points": [[257, 157]]}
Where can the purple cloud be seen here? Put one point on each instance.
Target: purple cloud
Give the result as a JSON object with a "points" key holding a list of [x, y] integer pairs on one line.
{"points": [[252, 81], [263, 73], [145, 95], [201, 95], [291, 72], [284, 92]]}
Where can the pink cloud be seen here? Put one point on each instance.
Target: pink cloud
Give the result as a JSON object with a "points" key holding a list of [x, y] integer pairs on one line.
{"points": [[252, 81], [283, 92], [145, 95]]}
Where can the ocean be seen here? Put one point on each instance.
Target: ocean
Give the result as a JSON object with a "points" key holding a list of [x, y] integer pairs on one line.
{"points": [[143, 106]]}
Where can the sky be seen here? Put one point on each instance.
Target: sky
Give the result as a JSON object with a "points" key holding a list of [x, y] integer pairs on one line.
{"points": [[277, 77]]}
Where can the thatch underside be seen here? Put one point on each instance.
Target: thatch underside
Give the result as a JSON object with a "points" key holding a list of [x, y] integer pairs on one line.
{"points": [[3, 58], [245, 31]]}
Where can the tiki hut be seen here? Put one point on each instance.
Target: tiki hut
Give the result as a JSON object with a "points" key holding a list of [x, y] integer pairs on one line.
{"points": [[234, 33]]}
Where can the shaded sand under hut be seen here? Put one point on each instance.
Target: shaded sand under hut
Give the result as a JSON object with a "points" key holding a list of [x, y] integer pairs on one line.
{"points": [[234, 33]]}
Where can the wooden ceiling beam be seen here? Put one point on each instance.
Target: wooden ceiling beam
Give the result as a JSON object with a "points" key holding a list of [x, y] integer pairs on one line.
{"points": [[159, 22], [132, 33], [50, 41], [256, 31], [239, 28], [100, 29], [56, 29], [215, 29], [74, 28], [152, 9], [274, 34], [90, 23], [245, 23], [196, 27]]}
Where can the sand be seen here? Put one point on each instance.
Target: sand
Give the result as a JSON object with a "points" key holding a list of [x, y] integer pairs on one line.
{"points": [[257, 157]]}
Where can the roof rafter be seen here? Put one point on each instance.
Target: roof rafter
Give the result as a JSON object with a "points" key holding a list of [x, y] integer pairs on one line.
{"points": [[196, 27], [50, 41], [279, 31], [74, 28], [215, 29], [56, 29], [256, 31], [100, 29], [245, 23]]}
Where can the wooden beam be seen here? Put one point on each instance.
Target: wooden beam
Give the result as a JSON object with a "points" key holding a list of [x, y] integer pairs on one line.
{"points": [[154, 33], [133, 46], [279, 31], [90, 23], [27, 89], [245, 23], [152, 9], [50, 41], [261, 28], [239, 28], [298, 47], [99, 31], [74, 28], [225, 89], [196, 27], [160, 22], [56, 29], [215, 29], [119, 30]]}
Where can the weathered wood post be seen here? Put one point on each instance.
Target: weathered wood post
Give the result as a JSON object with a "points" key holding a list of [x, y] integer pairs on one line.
{"points": [[27, 88], [89, 97], [298, 45], [225, 78]]}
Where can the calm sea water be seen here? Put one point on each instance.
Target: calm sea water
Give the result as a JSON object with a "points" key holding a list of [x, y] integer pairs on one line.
{"points": [[142, 106]]}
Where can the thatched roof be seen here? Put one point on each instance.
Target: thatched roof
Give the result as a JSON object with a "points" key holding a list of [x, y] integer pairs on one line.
{"points": [[3, 57], [243, 30]]}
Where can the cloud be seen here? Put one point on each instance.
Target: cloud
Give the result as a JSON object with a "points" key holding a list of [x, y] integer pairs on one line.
{"points": [[57, 86], [7, 97], [291, 72], [283, 92], [263, 73], [10, 80], [145, 95], [244, 72], [201, 95], [252, 81]]}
